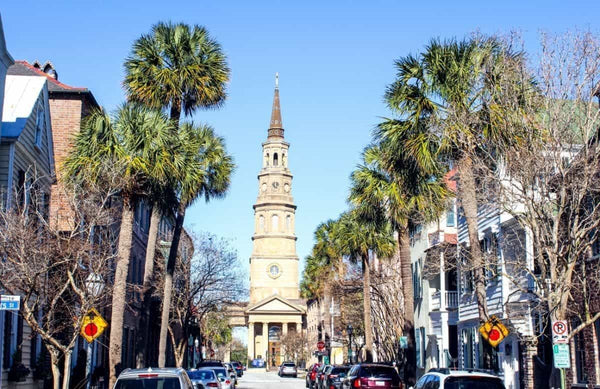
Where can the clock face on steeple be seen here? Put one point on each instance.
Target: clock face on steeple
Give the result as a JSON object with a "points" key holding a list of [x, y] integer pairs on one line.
{"points": [[275, 185], [274, 270]]}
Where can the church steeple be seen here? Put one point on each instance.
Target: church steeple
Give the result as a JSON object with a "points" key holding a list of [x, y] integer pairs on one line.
{"points": [[276, 126]]}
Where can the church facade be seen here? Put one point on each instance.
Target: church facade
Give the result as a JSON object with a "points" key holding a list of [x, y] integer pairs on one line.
{"points": [[275, 307]]}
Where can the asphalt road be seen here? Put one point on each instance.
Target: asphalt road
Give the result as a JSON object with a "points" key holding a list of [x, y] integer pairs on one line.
{"points": [[270, 380]]}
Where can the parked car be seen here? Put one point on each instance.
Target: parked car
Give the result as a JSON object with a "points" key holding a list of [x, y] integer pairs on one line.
{"points": [[459, 379], [311, 375], [204, 379], [239, 368], [371, 375], [322, 374], [210, 363], [232, 372], [334, 379], [222, 375], [288, 369], [165, 378]]}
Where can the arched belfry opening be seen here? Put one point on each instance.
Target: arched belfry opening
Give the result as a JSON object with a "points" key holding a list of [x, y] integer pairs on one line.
{"points": [[275, 159]]}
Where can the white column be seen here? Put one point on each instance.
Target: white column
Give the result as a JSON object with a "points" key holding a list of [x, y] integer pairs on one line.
{"points": [[443, 313], [265, 340], [284, 329], [251, 341]]}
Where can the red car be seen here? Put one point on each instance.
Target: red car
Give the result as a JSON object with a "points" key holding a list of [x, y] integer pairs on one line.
{"points": [[311, 375], [370, 375]]}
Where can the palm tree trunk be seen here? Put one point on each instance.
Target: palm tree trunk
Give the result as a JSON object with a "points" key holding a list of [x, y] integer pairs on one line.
{"points": [[468, 198], [367, 309], [148, 288], [168, 288], [120, 291], [409, 305]]}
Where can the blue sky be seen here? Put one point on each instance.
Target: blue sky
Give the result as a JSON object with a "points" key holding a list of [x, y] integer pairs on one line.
{"points": [[334, 58]]}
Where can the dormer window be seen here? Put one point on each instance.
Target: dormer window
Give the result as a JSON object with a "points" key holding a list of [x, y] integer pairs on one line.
{"points": [[40, 125]]}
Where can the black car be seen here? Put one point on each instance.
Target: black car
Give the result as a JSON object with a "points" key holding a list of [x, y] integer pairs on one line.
{"points": [[239, 368], [335, 377], [210, 363]]}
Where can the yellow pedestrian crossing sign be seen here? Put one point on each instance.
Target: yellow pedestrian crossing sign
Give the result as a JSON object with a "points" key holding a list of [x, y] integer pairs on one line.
{"points": [[93, 325], [493, 331]]}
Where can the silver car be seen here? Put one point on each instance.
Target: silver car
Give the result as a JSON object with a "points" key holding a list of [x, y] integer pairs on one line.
{"points": [[222, 375], [288, 369], [165, 378], [232, 372], [204, 379]]}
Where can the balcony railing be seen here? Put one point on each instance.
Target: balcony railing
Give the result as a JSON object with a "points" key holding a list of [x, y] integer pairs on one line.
{"points": [[450, 300]]}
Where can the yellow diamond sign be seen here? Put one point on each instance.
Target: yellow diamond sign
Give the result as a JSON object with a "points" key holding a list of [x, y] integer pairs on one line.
{"points": [[493, 331], [93, 325]]}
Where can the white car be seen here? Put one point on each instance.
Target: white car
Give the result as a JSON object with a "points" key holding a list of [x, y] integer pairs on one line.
{"points": [[165, 378], [458, 379]]}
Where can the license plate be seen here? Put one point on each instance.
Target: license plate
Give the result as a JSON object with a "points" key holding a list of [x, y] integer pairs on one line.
{"points": [[379, 383]]}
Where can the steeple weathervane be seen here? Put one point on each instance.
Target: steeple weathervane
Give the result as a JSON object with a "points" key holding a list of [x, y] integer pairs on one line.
{"points": [[276, 126]]}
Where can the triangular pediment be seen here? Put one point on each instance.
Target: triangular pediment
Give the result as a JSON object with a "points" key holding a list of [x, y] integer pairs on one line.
{"points": [[275, 304]]}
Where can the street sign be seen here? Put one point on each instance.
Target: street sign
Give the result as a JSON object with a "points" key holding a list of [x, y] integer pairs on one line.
{"points": [[493, 331], [320, 345], [562, 357], [10, 303], [560, 332], [403, 340], [93, 325]]}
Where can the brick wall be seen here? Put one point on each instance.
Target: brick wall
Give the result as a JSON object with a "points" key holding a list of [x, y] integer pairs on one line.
{"points": [[66, 112]]}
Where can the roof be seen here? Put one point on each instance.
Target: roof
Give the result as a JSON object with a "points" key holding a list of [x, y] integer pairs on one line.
{"points": [[20, 96], [285, 306], [24, 68]]}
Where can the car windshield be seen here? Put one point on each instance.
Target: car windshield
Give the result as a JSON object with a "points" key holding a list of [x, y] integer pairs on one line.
{"points": [[288, 365], [148, 383], [340, 371], [221, 373], [473, 383], [379, 371], [203, 375]]}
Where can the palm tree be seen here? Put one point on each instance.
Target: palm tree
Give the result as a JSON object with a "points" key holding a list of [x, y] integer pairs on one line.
{"points": [[182, 69], [177, 67], [391, 182], [454, 83], [207, 174], [132, 148], [359, 237]]}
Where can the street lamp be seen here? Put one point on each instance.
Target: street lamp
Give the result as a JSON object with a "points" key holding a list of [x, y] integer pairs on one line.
{"points": [[349, 329], [94, 284]]}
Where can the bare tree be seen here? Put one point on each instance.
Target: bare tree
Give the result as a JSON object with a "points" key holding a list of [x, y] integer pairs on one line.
{"points": [[295, 347], [51, 269], [204, 283]]}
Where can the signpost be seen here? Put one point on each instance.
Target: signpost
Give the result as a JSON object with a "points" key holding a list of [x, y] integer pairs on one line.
{"points": [[403, 341], [320, 345], [560, 332], [560, 348], [10, 303], [493, 331], [93, 325]]}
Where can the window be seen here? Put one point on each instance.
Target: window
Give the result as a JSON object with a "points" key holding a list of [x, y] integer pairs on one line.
{"points": [[261, 223], [450, 217], [420, 343], [275, 159], [580, 357], [274, 223], [417, 289], [288, 223], [468, 347], [40, 125]]}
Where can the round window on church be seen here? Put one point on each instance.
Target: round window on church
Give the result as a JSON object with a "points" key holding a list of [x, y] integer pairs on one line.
{"points": [[274, 270]]}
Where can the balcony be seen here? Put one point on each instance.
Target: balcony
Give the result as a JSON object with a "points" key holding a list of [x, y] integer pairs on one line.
{"points": [[450, 300]]}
